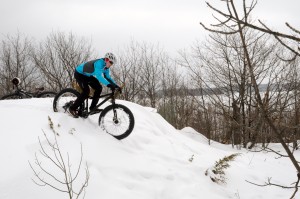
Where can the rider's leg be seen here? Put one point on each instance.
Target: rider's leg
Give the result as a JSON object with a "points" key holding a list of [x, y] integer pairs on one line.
{"points": [[95, 84], [83, 82]]}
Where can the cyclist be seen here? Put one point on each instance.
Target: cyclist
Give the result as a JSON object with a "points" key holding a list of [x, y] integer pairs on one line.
{"points": [[93, 73]]}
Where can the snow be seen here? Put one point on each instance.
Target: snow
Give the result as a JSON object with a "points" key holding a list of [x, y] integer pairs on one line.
{"points": [[155, 162]]}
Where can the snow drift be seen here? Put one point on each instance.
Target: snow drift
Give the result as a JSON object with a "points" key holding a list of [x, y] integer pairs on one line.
{"points": [[155, 162]]}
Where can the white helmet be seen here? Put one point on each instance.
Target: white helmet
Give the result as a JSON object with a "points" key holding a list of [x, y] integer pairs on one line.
{"points": [[111, 57]]}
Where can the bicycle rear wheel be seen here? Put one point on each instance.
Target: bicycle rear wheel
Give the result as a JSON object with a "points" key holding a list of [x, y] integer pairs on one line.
{"points": [[117, 120], [46, 94], [11, 96], [64, 99]]}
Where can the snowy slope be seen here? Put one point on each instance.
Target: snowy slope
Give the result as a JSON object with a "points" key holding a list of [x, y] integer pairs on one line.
{"points": [[152, 163]]}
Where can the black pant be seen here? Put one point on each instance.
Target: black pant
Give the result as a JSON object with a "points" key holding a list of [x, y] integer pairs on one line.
{"points": [[84, 82]]}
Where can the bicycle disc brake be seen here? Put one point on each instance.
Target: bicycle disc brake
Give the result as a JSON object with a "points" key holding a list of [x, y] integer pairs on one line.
{"points": [[67, 105]]}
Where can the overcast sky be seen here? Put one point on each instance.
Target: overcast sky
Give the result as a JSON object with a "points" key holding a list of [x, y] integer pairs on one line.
{"points": [[111, 24]]}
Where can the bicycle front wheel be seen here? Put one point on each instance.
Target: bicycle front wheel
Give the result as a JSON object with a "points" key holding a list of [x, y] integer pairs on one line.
{"points": [[64, 99], [117, 120], [11, 96], [46, 94]]}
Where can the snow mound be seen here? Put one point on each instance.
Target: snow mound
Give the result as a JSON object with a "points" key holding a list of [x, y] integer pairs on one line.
{"points": [[155, 161]]}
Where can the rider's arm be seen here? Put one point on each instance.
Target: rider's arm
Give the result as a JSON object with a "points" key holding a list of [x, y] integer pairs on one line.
{"points": [[99, 70], [108, 77]]}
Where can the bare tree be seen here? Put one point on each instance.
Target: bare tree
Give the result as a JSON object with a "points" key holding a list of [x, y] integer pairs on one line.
{"points": [[151, 64], [127, 71], [66, 181], [57, 57], [235, 23], [218, 69], [15, 62], [172, 81], [140, 68]]}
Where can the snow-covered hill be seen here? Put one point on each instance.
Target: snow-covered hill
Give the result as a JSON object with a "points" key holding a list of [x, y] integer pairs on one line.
{"points": [[155, 162]]}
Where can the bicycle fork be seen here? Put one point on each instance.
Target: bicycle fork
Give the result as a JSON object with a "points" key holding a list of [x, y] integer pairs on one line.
{"points": [[115, 118]]}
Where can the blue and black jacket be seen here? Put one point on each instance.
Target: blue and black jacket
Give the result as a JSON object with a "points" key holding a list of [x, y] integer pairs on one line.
{"points": [[97, 69]]}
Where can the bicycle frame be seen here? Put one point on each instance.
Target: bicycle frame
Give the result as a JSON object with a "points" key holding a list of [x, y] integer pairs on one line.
{"points": [[108, 97], [21, 92]]}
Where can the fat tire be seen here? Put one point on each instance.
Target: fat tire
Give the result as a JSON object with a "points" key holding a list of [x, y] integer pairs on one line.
{"points": [[124, 109], [64, 91]]}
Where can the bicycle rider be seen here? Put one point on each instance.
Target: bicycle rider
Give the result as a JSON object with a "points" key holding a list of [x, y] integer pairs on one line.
{"points": [[93, 73]]}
